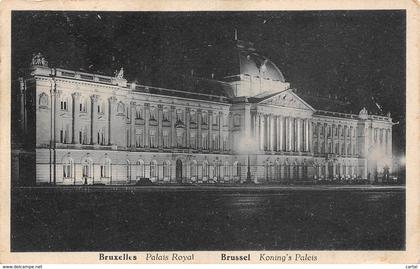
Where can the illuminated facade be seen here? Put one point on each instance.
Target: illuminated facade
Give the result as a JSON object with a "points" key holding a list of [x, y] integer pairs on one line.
{"points": [[89, 128]]}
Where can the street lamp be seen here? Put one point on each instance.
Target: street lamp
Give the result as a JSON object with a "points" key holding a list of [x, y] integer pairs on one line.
{"points": [[247, 146]]}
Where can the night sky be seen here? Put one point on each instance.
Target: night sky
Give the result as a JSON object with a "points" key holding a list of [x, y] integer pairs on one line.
{"points": [[359, 55]]}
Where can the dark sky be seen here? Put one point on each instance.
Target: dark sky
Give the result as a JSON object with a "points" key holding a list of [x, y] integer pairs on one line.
{"points": [[354, 54]]}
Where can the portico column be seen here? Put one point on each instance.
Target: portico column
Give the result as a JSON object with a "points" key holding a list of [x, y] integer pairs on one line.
{"points": [[133, 126], [389, 142], [298, 134], [351, 141], [173, 121], [146, 124], [258, 130], [160, 129], [75, 137], [210, 121], [280, 134], [111, 107], [292, 134], [326, 138], [199, 128], [287, 133], [187, 126], [94, 118], [339, 139], [310, 135]]}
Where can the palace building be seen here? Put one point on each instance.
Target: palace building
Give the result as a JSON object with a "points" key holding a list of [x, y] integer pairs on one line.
{"points": [[84, 128]]}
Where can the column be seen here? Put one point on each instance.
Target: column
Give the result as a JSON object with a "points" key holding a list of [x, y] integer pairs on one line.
{"points": [[345, 139], [292, 134], [76, 109], [326, 138], [351, 141], [318, 137], [258, 129], [261, 132], [220, 130], [287, 133], [273, 132], [94, 118], [389, 142], [298, 134], [281, 133], [111, 107], [310, 135], [146, 124], [210, 121], [132, 123], [187, 127], [339, 139], [173, 131], [160, 129], [278, 134], [333, 138], [199, 129]]}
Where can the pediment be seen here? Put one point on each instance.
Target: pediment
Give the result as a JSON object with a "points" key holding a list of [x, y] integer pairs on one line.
{"points": [[287, 99]]}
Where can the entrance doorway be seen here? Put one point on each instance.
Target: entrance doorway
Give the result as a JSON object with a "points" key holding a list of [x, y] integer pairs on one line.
{"points": [[178, 171]]}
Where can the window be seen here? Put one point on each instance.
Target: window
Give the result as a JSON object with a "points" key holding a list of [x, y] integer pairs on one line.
{"points": [[152, 136], [205, 169], [322, 147], [83, 136], [153, 113], [336, 148], [165, 115], [321, 130], [83, 105], [63, 135], [192, 140], [204, 117], [215, 142], [101, 107], [153, 169], [165, 140], [225, 142], [139, 112], [330, 147], [193, 116], [106, 168], [204, 141], [226, 170], [68, 168], [87, 168], [179, 137], [64, 103], [193, 169], [316, 147], [140, 169], [101, 137], [215, 118], [166, 169], [139, 138], [179, 115]]}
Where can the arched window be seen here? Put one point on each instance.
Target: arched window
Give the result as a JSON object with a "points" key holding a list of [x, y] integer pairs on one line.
{"points": [[106, 168], [205, 169], [193, 169], [153, 169], [166, 169], [68, 167], [140, 169], [87, 168]]}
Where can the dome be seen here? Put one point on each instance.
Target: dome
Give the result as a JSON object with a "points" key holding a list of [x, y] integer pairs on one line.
{"points": [[253, 64]]}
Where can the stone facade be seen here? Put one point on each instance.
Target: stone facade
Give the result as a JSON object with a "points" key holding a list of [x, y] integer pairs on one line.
{"points": [[92, 128]]}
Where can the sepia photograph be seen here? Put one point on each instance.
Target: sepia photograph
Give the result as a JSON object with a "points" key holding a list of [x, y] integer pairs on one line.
{"points": [[208, 131]]}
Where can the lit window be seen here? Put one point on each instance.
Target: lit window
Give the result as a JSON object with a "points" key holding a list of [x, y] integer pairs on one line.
{"points": [[68, 168]]}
